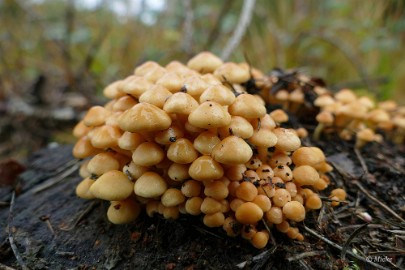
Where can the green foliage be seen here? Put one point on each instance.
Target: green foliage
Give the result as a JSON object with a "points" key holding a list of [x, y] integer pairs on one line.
{"points": [[341, 41]]}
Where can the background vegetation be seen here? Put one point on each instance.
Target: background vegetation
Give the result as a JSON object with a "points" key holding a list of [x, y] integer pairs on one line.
{"points": [[56, 53]]}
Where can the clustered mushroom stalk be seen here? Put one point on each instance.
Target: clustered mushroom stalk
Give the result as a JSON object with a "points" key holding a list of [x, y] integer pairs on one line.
{"points": [[189, 139]]}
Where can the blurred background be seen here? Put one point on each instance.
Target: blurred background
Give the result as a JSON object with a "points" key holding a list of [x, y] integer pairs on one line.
{"points": [[56, 56]]}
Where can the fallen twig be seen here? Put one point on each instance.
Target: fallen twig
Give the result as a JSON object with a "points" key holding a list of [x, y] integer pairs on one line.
{"points": [[349, 240], [258, 257], [11, 237], [305, 255], [314, 233], [374, 199], [80, 217]]}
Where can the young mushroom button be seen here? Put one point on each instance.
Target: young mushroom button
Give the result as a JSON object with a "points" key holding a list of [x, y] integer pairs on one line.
{"points": [[232, 151], [112, 186], [209, 115]]}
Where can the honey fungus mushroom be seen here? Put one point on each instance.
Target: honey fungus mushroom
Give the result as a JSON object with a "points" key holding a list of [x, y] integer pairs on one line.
{"points": [[189, 139]]}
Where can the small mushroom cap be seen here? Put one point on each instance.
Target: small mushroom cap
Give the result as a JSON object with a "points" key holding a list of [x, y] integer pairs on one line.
{"points": [[122, 212], [210, 206], [105, 136], [378, 116], [113, 90], [205, 142], [95, 116], [218, 93], [195, 85], [112, 186], [144, 117], [193, 206], [135, 85], [102, 163], [148, 154], [80, 130], [246, 105], [325, 118], [145, 67], [182, 151], [83, 148], [281, 197], [83, 189], [204, 62], [205, 168], [232, 151], [134, 171], [130, 140], [171, 81], [279, 116], [274, 215], [209, 115], [124, 103], [263, 138], [260, 239], [248, 213], [232, 72], [150, 185], [287, 139], [170, 135], [313, 202], [181, 103], [294, 211], [345, 96], [172, 197], [214, 220], [305, 175], [156, 95], [308, 156], [246, 191], [217, 190], [239, 126], [324, 100]]}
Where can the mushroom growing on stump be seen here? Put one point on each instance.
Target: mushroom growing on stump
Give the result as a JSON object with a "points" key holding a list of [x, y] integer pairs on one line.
{"points": [[190, 140]]}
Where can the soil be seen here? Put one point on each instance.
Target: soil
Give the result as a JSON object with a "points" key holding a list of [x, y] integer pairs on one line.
{"points": [[53, 229]]}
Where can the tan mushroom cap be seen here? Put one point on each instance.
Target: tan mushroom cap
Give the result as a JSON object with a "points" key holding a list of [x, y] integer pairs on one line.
{"points": [[112, 186], [171, 81], [205, 62], [246, 105], [144, 117], [218, 93], [113, 90], [105, 136], [305, 175], [150, 185], [232, 151], [182, 151], [345, 96], [294, 211], [312, 156], [279, 116], [263, 138], [83, 189], [83, 148], [135, 85], [124, 103], [325, 117], [172, 197], [239, 126], [95, 116], [378, 116], [181, 103], [287, 139], [205, 168], [168, 136], [248, 213], [148, 154], [130, 140], [102, 163], [145, 67], [194, 85], [205, 142], [80, 130], [324, 100], [214, 220], [122, 212], [209, 115], [156, 95], [232, 73]]}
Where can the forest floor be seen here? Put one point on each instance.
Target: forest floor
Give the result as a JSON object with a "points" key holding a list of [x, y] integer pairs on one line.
{"points": [[45, 226]]}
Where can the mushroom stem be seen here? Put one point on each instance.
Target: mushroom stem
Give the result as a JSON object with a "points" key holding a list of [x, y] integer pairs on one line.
{"points": [[317, 132]]}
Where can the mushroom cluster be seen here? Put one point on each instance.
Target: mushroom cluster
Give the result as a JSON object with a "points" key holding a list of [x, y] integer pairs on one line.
{"points": [[359, 117], [190, 139]]}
